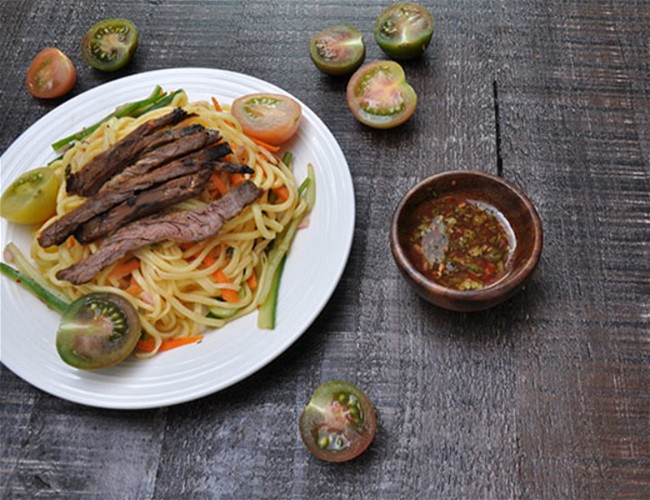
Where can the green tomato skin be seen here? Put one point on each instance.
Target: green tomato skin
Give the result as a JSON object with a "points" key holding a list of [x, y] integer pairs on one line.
{"points": [[404, 30], [98, 330], [110, 44], [338, 50]]}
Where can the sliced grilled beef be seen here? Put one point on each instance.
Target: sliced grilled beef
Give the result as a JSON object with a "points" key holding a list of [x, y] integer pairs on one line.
{"points": [[191, 225], [160, 156], [102, 167], [147, 202], [57, 232]]}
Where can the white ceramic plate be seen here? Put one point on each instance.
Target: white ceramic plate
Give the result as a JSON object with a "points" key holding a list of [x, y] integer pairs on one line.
{"points": [[226, 356]]}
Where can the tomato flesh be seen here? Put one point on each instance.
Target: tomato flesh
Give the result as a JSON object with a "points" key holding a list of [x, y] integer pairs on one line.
{"points": [[271, 118], [339, 423], [31, 198], [379, 95], [338, 50], [98, 330], [51, 74], [110, 44], [404, 30]]}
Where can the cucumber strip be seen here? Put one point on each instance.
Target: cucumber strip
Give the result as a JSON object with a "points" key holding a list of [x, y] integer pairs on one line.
{"points": [[52, 301], [25, 267], [222, 312], [310, 188], [267, 311], [285, 238]]}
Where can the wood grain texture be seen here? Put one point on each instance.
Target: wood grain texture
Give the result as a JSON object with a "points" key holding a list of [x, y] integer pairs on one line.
{"points": [[545, 396], [574, 114]]}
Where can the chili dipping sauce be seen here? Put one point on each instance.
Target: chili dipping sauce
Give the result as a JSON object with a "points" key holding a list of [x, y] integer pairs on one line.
{"points": [[459, 242]]}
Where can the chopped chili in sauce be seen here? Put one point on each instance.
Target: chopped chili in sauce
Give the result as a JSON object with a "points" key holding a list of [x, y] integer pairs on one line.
{"points": [[459, 242]]}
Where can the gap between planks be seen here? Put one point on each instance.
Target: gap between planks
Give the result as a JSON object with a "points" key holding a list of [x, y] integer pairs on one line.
{"points": [[497, 128]]}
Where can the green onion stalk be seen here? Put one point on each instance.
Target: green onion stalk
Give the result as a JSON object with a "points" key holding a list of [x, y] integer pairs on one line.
{"points": [[157, 99]]}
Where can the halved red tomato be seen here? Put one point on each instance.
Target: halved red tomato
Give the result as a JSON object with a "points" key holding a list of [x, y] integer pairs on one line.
{"points": [[51, 74], [272, 118], [339, 422], [379, 95]]}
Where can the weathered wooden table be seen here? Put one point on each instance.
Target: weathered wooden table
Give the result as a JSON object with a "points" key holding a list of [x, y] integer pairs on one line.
{"points": [[545, 396]]}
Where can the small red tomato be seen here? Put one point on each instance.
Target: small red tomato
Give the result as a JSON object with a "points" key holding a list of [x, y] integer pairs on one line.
{"points": [[51, 74], [379, 96], [271, 118]]}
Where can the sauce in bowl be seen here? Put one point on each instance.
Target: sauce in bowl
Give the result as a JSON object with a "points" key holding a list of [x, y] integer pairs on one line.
{"points": [[459, 242]]}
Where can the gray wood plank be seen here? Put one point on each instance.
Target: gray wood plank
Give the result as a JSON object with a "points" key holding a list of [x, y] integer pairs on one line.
{"points": [[545, 396], [573, 102]]}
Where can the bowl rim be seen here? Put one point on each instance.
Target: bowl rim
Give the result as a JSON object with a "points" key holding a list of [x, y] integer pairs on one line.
{"points": [[503, 287]]}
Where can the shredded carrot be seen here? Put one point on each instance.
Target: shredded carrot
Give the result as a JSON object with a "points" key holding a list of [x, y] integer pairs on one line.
{"points": [[227, 294], [196, 249], [282, 193], [237, 179], [252, 281], [149, 345], [208, 260], [269, 147], [216, 104], [218, 183], [125, 268], [71, 242], [134, 287]]}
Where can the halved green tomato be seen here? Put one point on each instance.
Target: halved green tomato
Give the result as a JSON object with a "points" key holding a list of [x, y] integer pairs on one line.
{"points": [[110, 44], [379, 95], [404, 30], [339, 422], [31, 198], [338, 50], [98, 330]]}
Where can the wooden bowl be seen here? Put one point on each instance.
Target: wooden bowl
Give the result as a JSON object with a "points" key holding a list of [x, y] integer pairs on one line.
{"points": [[513, 205]]}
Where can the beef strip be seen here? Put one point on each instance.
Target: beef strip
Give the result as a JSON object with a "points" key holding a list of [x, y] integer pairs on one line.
{"points": [[102, 167], [190, 225], [159, 156], [144, 203], [57, 232]]}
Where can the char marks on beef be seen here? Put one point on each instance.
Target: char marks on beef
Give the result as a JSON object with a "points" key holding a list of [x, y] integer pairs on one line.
{"points": [[59, 230], [147, 202], [105, 165], [191, 225]]}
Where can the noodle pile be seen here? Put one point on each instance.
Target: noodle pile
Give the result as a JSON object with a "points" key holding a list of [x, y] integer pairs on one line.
{"points": [[174, 287]]}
